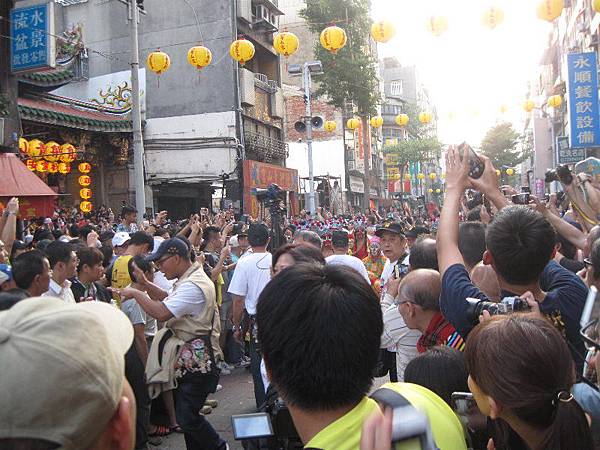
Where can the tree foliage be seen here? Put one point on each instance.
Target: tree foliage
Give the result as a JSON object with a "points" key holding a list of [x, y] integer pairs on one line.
{"points": [[414, 128], [350, 76], [415, 150], [501, 145]]}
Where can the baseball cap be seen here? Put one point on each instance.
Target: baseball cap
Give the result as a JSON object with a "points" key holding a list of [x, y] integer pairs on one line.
{"points": [[5, 273], [173, 246], [120, 238], [68, 361], [233, 242], [390, 227]]}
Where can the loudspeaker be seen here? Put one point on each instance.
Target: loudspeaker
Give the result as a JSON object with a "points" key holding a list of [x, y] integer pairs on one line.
{"points": [[300, 126], [317, 122]]}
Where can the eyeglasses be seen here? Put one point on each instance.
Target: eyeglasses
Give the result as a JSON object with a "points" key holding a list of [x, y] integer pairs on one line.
{"points": [[587, 263], [160, 261]]}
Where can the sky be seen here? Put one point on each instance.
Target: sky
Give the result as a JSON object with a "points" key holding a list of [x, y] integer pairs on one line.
{"points": [[470, 71]]}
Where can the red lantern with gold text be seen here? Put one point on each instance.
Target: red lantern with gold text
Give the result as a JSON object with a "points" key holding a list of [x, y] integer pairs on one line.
{"points": [[68, 153], [85, 206], [84, 167], [84, 180], [30, 163], [64, 168], [85, 193]]}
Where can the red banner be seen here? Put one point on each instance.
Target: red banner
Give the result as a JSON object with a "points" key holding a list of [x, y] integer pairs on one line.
{"points": [[259, 175], [32, 206]]}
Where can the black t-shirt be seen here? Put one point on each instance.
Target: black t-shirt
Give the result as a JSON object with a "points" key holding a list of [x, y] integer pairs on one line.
{"points": [[571, 264], [565, 297]]}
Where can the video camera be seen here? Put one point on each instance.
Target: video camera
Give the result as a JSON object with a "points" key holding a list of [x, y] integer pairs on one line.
{"points": [[561, 173], [507, 305]]}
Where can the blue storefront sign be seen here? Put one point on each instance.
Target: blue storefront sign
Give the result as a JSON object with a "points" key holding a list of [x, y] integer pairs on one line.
{"points": [[32, 41], [583, 100]]}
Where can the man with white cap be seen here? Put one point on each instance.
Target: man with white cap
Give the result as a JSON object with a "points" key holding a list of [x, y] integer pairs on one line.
{"points": [[55, 394], [119, 243]]}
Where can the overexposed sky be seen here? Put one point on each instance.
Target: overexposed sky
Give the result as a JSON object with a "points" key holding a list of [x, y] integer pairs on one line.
{"points": [[470, 70]]}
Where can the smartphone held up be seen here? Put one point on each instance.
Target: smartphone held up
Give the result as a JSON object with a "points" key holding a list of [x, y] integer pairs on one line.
{"points": [[476, 165]]}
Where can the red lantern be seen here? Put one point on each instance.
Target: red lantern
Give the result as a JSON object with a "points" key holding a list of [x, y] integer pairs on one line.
{"points": [[85, 193], [85, 206], [85, 167], [30, 163], [85, 180], [64, 168]]}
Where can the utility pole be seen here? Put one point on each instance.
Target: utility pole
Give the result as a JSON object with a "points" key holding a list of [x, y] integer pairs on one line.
{"points": [[366, 161], [136, 115], [308, 121]]}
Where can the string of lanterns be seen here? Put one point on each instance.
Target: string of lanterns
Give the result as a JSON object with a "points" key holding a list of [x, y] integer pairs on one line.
{"points": [[85, 193], [48, 157]]}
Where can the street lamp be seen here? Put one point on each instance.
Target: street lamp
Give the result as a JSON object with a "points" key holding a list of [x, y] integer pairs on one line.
{"points": [[306, 69]]}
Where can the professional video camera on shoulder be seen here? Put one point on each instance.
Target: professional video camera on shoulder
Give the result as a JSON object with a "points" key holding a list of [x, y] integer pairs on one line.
{"points": [[562, 173], [507, 305]]}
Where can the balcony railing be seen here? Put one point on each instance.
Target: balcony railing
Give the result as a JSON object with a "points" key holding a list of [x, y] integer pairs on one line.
{"points": [[265, 148]]}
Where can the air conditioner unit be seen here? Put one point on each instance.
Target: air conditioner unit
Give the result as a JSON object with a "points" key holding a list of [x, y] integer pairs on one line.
{"points": [[247, 92], [244, 10], [277, 104]]}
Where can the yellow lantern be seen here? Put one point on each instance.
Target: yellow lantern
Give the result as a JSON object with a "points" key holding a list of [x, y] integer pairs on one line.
{"points": [[41, 166], [554, 101], [85, 193], [333, 38], [52, 167], [199, 56], [430, 190], [30, 163], [492, 17], [158, 62], [528, 105], [68, 153], [438, 190], [35, 148], [330, 125], [407, 176], [420, 176], [23, 146], [498, 172], [242, 50], [437, 25], [510, 172], [51, 151], [85, 206], [84, 180], [353, 123], [402, 119], [596, 5], [64, 168], [376, 122], [286, 43], [84, 167], [425, 117], [432, 176], [382, 31], [550, 10]]}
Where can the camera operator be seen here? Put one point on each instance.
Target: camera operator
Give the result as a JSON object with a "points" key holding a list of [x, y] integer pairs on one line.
{"points": [[520, 248]]}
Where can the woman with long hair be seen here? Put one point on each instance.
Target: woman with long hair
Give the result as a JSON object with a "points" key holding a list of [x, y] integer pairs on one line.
{"points": [[521, 374]]}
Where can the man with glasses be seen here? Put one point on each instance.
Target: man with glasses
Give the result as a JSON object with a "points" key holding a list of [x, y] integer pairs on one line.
{"points": [[192, 324], [418, 303], [252, 274]]}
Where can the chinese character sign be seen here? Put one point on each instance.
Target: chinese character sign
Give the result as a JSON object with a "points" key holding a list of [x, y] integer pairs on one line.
{"points": [[583, 100], [31, 31], [567, 155]]}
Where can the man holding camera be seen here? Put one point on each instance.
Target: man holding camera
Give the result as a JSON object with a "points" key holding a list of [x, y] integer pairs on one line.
{"points": [[520, 246]]}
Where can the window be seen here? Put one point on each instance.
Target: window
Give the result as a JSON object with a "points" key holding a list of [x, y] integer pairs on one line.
{"points": [[396, 88]]}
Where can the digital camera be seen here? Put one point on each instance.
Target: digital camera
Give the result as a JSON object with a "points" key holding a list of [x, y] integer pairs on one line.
{"points": [[508, 305]]}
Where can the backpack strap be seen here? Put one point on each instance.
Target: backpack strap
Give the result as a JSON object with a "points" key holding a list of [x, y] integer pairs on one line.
{"points": [[390, 398]]}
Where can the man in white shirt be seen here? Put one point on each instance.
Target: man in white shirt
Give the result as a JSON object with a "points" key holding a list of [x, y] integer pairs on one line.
{"points": [[251, 275], [63, 263], [340, 243], [396, 336]]}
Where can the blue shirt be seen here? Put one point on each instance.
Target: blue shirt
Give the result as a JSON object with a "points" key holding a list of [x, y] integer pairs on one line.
{"points": [[563, 304]]}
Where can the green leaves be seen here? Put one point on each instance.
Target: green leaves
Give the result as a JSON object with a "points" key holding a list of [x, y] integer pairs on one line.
{"points": [[503, 145]]}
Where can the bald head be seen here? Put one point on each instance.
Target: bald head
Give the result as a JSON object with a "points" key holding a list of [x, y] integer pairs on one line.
{"points": [[422, 287]]}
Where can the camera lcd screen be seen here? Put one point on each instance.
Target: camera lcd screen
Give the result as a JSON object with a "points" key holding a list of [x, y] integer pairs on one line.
{"points": [[249, 426]]}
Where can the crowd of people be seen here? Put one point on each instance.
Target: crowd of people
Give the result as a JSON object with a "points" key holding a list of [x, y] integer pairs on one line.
{"points": [[115, 331]]}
